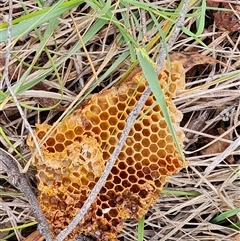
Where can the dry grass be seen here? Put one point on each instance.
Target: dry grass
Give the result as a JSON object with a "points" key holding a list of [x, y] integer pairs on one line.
{"points": [[64, 73]]}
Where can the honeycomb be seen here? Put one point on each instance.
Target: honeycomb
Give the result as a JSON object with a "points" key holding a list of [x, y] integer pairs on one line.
{"points": [[76, 153]]}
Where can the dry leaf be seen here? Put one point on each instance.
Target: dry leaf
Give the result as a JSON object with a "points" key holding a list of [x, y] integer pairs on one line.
{"points": [[189, 60], [219, 146], [224, 19]]}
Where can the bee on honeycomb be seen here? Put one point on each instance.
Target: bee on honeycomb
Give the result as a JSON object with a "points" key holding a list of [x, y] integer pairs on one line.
{"points": [[76, 153]]}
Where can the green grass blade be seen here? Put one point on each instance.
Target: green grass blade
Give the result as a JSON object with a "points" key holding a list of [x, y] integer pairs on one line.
{"points": [[33, 21], [141, 229], [151, 76], [227, 214], [200, 22]]}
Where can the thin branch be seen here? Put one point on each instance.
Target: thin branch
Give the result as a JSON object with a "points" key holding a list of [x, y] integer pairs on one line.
{"points": [[17, 179], [129, 123], [178, 26], [6, 78]]}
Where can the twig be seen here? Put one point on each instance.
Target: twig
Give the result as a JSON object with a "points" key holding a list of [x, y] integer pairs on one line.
{"points": [[178, 26], [6, 78], [17, 179], [129, 123]]}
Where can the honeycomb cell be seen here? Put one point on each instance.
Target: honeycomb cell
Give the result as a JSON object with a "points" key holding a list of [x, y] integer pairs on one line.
{"points": [[95, 109], [154, 138], [69, 135], [113, 110], [135, 188], [77, 152], [122, 165], [104, 116], [132, 179], [59, 147], [41, 134], [78, 130], [51, 141], [131, 170]]}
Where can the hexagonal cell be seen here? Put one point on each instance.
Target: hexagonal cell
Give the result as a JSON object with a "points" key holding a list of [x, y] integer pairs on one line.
{"points": [[116, 180], [130, 161], [104, 198], [161, 163], [149, 101], [155, 117], [138, 166], [137, 147], [170, 168], [145, 142], [176, 163], [96, 130], [137, 127], [146, 132], [131, 102], [153, 167], [67, 143], [146, 170], [104, 126], [123, 174], [111, 194], [111, 203], [75, 185], [154, 127], [153, 158], [140, 174], [138, 157], [51, 141], [169, 139], [145, 152], [145, 162], [104, 116], [66, 181], [104, 135], [131, 170], [154, 138], [95, 109], [143, 193], [109, 185], [163, 124], [113, 212], [169, 148], [154, 148], [70, 135], [115, 170], [118, 188], [161, 153], [155, 175], [94, 120], [59, 147], [132, 179], [146, 122], [102, 103], [84, 181], [157, 183], [41, 134], [113, 121], [126, 183], [113, 110], [123, 97], [122, 165], [120, 126], [90, 176], [78, 130], [161, 143], [122, 156], [148, 177], [113, 141], [129, 151]]}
